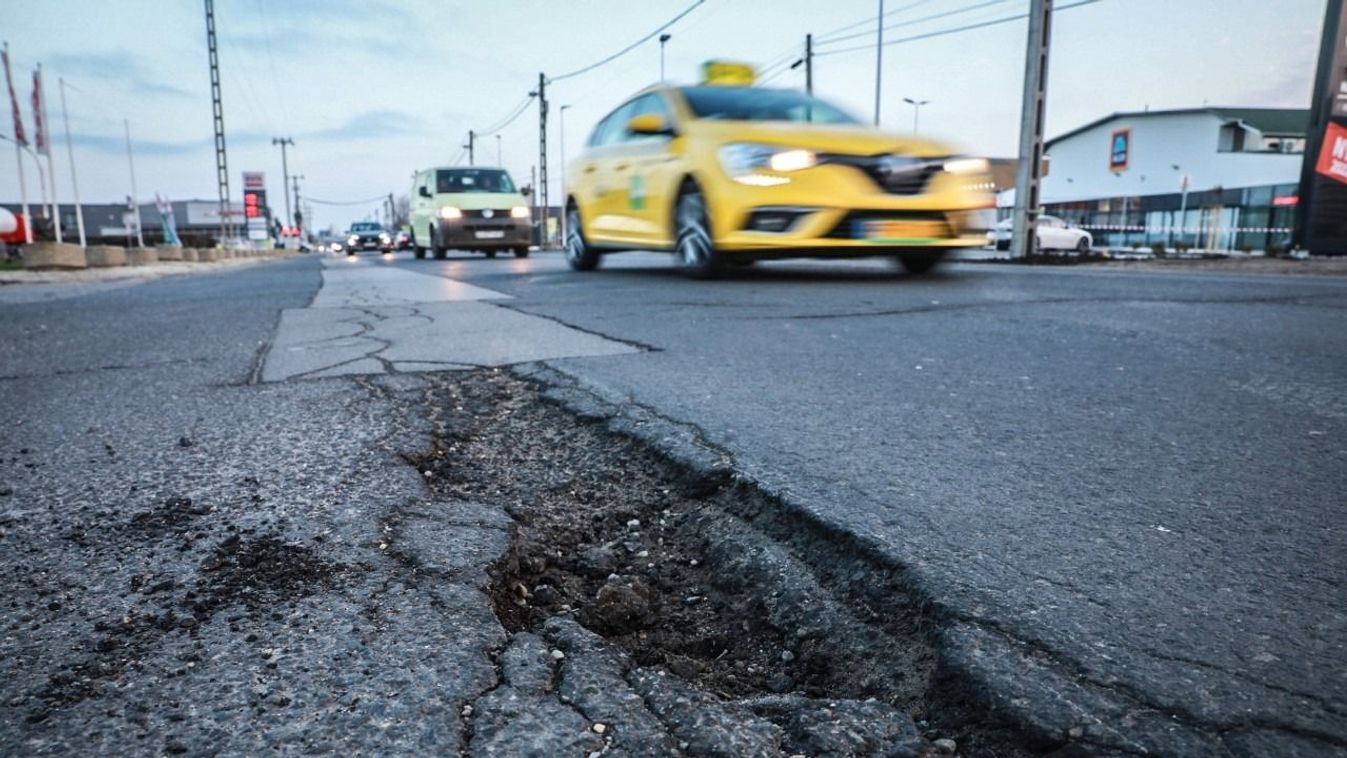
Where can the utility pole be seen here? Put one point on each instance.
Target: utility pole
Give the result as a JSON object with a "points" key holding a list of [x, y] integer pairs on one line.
{"points": [[561, 118], [1030, 170], [70, 152], [542, 157], [472, 137], [135, 198], [299, 215], [285, 172], [498, 160], [221, 161], [392, 211], [809, 64], [879, 57]]}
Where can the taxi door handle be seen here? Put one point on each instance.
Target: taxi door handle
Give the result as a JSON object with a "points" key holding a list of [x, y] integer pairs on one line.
{"points": [[621, 167], [589, 169]]}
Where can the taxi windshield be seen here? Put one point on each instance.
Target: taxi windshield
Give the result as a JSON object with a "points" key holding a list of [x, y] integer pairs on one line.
{"points": [[473, 180], [757, 104]]}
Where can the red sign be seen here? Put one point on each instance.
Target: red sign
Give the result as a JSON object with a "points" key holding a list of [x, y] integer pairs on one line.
{"points": [[1286, 200], [1333, 155], [252, 204]]}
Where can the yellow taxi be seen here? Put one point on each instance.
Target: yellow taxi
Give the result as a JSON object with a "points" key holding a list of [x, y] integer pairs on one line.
{"points": [[725, 173]]}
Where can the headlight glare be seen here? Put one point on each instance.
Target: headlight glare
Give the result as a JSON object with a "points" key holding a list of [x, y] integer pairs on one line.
{"points": [[520, 211], [967, 165], [450, 212], [743, 159]]}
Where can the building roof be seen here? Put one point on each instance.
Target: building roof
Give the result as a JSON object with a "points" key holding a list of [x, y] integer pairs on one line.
{"points": [[1294, 121]]}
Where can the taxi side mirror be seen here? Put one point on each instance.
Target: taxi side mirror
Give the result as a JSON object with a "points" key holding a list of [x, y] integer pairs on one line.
{"points": [[649, 123], [424, 192]]}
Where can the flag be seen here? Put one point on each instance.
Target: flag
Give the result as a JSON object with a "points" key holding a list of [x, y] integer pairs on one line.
{"points": [[40, 141], [19, 136]]}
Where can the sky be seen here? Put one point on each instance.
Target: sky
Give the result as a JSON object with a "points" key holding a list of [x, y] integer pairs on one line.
{"points": [[372, 90]]}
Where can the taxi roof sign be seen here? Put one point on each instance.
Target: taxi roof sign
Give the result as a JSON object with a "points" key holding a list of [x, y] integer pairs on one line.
{"points": [[728, 74]]}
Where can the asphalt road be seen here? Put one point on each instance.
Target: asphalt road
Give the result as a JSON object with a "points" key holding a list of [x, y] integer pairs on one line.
{"points": [[1120, 493], [1124, 491]]}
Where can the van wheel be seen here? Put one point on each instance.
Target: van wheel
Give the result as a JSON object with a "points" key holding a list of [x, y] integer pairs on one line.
{"points": [[435, 245], [696, 253], [418, 249], [579, 254], [521, 252]]}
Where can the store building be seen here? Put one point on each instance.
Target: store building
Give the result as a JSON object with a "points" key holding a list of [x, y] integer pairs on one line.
{"points": [[1202, 178]]}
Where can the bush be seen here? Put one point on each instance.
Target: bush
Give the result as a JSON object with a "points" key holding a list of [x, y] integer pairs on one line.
{"points": [[1274, 250], [1158, 248]]}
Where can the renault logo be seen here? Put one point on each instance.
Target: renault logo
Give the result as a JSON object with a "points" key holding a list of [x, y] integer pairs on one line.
{"points": [[488, 213]]}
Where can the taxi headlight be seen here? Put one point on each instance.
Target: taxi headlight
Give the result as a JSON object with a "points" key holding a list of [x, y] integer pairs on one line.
{"points": [[450, 212], [967, 165], [742, 160], [519, 211]]}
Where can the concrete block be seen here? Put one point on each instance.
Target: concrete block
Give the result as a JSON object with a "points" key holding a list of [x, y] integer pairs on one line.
{"points": [[140, 256], [103, 256], [208, 254], [189, 254], [54, 255], [169, 252]]}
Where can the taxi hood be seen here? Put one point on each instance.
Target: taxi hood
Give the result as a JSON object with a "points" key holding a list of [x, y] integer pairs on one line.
{"points": [[845, 139], [476, 201]]}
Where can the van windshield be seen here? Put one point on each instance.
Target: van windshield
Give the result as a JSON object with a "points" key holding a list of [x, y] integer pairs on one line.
{"points": [[473, 180]]}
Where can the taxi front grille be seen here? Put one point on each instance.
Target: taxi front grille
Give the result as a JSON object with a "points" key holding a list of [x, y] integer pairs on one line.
{"points": [[895, 175]]}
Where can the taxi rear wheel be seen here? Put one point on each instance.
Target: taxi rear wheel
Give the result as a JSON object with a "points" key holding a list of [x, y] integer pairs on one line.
{"points": [[696, 253], [579, 254]]}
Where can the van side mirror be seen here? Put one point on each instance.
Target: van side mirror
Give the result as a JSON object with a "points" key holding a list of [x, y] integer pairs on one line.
{"points": [[423, 191], [526, 190], [649, 123]]}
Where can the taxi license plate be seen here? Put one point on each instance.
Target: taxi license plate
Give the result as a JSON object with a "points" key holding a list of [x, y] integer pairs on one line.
{"points": [[898, 231], [490, 235]]}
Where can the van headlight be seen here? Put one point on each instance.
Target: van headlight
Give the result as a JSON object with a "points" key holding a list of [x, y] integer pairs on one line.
{"points": [[450, 212], [520, 211], [744, 160]]}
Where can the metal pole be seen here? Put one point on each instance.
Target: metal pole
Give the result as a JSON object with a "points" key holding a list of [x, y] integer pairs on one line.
{"points": [[499, 162], [217, 109], [1183, 211], [809, 64], [285, 174], [299, 215], [70, 152], [135, 199], [1030, 169], [542, 156], [51, 164], [471, 138], [663, 38], [879, 57], [561, 118]]}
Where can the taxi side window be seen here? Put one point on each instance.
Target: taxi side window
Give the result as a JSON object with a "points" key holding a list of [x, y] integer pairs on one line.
{"points": [[614, 128]]}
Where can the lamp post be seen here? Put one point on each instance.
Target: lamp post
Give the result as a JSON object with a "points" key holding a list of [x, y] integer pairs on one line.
{"points": [[879, 56], [498, 160], [663, 38], [562, 119], [1185, 181], [916, 110]]}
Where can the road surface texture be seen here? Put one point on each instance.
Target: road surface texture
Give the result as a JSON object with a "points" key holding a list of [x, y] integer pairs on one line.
{"points": [[301, 506]]}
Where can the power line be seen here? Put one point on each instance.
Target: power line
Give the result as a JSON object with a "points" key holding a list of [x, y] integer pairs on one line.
{"points": [[630, 47], [309, 199], [515, 113], [871, 20], [954, 30], [914, 21]]}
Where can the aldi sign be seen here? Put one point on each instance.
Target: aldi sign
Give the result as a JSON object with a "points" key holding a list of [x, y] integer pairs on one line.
{"points": [[1120, 150]]}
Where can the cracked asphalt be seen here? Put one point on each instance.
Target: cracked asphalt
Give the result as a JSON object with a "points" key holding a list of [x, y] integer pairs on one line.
{"points": [[1117, 494]]}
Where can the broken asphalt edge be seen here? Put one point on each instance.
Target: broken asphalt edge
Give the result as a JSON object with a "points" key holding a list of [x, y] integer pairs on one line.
{"points": [[989, 681]]}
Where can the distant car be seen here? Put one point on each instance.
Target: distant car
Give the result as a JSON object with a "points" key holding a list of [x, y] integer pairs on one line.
{"points": [[367, 235], [402, 240], [1053, 234]]}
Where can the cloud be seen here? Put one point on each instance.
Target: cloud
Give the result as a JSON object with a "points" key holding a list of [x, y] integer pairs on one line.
{"points": [[117, 65], [376, 124]]}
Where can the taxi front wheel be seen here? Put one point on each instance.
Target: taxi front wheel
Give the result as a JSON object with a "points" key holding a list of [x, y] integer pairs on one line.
{"points": [[579, 254], [696, 253], [920, 262]]}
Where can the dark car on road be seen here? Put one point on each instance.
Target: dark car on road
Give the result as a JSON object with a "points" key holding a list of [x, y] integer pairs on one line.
{"points": [[367, 235]]}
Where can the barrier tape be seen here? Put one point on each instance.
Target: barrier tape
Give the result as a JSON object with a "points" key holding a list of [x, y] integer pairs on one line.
{"points": [[1185, 230]]}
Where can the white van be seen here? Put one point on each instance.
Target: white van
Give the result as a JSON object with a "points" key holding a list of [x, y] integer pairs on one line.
{"points": [[468, 208]]}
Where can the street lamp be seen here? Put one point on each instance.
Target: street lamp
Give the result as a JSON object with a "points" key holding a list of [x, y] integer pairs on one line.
{"points": [[562, 119], [663, 38], [1184, 181], [498, 160], [916, 110]]}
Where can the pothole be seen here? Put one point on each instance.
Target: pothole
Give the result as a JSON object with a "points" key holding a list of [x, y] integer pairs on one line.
{"points": [[700, 585]]}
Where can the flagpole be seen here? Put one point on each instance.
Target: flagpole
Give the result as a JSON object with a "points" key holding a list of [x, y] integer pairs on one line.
{"points": [[135, 201], [46, 147], [18, 152], [70, 151]]}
